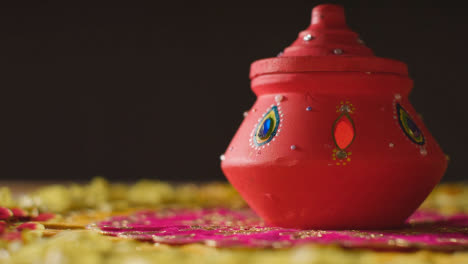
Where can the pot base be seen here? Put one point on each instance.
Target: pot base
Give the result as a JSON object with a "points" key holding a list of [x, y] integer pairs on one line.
{"points": [[373, 199]]}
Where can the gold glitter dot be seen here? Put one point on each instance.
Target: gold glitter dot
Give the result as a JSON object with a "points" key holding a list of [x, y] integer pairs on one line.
{"points": [[210, 243], [401, 242]]}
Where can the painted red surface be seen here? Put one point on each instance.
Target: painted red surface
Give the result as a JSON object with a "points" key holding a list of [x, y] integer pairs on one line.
{"points": [[305, 176]]}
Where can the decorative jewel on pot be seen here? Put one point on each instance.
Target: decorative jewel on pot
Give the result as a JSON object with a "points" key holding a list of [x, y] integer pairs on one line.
{"points": [[343, 133], [308, 37], [338, 51], [341, 157], [268, 127], [345, 106], [279, 98], [341, 154], [408, 126], [423, 151]]}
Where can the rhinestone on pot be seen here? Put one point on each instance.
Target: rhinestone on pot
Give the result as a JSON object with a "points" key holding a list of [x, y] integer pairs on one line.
{"points": [[337, 51], [308, 37]]}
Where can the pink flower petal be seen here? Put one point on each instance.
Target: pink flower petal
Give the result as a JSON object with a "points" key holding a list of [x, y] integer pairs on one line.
{"points": [[5, 213]]}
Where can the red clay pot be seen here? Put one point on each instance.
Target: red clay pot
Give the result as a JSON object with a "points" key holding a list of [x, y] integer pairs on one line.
{"points": [[332, 141]]}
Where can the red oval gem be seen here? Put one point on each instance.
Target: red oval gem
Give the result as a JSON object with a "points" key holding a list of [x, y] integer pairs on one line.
{"points": [[343, 132]]}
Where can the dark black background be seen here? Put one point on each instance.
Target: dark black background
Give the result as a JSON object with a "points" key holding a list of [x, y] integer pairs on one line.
{"points": [[158, 91]]}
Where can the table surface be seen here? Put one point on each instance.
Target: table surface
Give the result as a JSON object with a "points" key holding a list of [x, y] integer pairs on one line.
{"points": [[77, 206]]}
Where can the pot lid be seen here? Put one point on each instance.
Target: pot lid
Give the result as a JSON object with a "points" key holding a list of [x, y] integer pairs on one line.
{"points": [[327, 45]]}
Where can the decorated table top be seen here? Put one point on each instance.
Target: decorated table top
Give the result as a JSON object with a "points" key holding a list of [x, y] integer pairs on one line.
{"points": [[153, 221]]}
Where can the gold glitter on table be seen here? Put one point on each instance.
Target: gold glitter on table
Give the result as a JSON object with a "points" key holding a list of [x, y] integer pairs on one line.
{"points": [[61, 237]]}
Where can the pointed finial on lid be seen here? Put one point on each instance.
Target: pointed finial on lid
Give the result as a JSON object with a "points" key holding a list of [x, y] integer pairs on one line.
{"points": [[328, 34], [330, 16], [327, 45]]}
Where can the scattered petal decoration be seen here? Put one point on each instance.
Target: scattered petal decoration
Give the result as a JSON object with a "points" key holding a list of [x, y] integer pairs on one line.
{"points": [[13, 221], [242, 228], [408, 126]]}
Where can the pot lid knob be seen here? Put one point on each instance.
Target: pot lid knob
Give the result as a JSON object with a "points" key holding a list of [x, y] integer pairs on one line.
{"points": [[328, 34], [327, 45]]}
